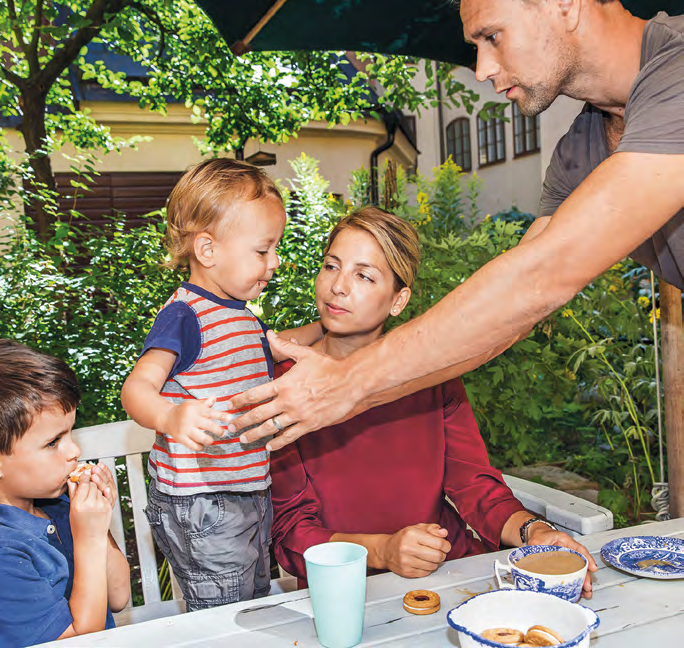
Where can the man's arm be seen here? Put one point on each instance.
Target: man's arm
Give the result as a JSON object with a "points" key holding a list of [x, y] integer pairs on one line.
{"points": [[439, 377], [625, 200]]}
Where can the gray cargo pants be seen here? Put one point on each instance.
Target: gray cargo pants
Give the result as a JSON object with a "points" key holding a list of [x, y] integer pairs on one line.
{"points": [[216, 543]]}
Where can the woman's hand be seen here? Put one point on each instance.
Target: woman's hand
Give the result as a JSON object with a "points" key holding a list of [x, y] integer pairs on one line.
{"points": [[415, 551], [540, 534]]}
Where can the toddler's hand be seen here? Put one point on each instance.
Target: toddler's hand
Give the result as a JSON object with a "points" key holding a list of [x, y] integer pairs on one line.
{"points": [[190, 422], [102, 477], [91, 511]]}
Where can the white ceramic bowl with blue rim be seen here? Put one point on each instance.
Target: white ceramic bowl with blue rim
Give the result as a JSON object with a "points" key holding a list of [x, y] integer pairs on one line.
{"points": [[520, 610], [566, 586]]}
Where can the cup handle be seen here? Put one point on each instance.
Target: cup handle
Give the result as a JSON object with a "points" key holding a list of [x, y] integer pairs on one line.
{"points": [[499, 570]]}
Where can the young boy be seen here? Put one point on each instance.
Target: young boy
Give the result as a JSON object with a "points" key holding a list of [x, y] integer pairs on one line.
{"points": [[210, 508], [60, 568]]}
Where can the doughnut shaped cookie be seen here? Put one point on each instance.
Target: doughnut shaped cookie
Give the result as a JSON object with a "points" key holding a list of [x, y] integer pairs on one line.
{"points": [[540, 635], [421, 602], [503, 635]]}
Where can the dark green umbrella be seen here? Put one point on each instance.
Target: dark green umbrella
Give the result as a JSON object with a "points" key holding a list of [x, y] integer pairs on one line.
{"points": [[428, 29]]}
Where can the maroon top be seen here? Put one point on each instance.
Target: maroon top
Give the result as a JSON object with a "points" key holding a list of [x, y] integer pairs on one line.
{"points": [[386, 469]]}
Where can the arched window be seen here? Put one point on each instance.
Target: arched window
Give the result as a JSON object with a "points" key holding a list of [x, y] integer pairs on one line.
{"points": [[458, 142]]}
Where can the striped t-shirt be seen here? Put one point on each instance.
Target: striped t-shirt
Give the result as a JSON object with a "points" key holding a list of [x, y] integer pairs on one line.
{"points": [[222, 351]]}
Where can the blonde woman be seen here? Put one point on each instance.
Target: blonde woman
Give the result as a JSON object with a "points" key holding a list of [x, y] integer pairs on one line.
{"points": [[381, 479]]}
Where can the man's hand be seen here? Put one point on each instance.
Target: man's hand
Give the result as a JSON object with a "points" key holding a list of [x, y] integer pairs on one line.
{"points": [[316, 392], [190, 422], [90, 512], [415, 551], [540, 534]]}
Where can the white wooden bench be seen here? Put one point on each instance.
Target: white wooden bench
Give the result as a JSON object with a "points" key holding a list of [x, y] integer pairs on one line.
{"points": [[127, 439], [569, 513]]}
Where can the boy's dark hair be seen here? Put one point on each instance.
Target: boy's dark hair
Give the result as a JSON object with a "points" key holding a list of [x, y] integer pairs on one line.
{"points": [[30, 382]]}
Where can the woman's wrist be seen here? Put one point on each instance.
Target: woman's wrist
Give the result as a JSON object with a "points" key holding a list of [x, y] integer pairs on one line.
{"points": [[375, 544]]}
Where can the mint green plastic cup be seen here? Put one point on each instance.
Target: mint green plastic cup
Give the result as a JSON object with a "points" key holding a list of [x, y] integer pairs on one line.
{"points": [[336, 572]]}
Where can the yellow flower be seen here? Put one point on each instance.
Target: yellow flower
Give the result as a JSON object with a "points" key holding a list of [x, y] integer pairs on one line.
{"points": [[612, 288], [567, 313], [643, 301], [650, 317], [487, 218], [423, 203]]}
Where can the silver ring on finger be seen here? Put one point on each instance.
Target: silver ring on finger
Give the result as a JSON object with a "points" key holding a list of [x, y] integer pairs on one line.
{"points": [[277, 424]]}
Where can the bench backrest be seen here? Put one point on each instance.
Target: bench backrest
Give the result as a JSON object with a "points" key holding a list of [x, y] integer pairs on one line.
{"points": [[127, 439]]}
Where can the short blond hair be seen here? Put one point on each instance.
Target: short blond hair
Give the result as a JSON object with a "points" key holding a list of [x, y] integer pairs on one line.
{"points": [[397, 238], [202, 196]]}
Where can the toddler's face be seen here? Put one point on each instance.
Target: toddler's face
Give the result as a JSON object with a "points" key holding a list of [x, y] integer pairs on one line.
{"points": [[244, 253], [41, 460]]}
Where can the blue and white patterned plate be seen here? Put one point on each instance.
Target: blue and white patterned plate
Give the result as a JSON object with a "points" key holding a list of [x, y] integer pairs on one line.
{"points": [[647, 556]]}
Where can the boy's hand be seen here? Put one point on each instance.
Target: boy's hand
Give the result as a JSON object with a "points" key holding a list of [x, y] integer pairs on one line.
{"points": [[102, 477], [91, 511], [189, 423]]}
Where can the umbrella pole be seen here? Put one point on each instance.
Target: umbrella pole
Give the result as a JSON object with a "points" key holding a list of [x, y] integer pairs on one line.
{"points": [[673, 380], [242, 46]]}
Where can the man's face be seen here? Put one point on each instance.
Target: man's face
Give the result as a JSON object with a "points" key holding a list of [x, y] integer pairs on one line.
{"points": [[522, 47]]}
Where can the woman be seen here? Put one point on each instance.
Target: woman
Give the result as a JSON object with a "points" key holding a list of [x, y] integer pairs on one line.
{"points": [[382, 479]]}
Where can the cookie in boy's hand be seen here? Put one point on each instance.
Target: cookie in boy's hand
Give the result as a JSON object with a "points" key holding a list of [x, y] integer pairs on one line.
{"points": [[75, 475]]}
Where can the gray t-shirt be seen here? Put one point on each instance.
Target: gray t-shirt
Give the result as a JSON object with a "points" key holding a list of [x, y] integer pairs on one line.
{"points": [[654, 123]]}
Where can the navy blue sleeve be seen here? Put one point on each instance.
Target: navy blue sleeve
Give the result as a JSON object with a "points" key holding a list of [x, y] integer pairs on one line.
{"points": [[176, 329], [264, 327], [266, 346]]}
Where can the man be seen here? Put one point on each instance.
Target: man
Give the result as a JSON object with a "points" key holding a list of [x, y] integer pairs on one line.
{"points": [[615, 186]]}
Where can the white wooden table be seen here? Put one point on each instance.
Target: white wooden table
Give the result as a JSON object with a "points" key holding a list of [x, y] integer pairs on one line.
{"points": [[634, 612]]}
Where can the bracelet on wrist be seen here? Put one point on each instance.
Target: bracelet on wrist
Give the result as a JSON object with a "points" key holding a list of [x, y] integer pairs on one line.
{"points": [[525, 526]]}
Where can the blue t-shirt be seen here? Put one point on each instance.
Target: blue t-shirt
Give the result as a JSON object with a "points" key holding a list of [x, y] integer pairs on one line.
{"points": [[36, 574]]}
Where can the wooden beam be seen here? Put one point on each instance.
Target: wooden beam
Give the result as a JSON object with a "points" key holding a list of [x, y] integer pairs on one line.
{"points": [[673, 381]]}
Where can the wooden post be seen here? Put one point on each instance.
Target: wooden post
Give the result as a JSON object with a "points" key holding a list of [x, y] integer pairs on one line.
{"points": [[673, 381]]}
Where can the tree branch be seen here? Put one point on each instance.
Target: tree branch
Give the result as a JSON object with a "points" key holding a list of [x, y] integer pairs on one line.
{"points": [[32, 54], [67, 51], [15, 26], [17, 80]]}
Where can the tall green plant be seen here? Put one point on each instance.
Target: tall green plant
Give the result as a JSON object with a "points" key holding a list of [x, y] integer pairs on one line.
{"points": [[288, 300]]}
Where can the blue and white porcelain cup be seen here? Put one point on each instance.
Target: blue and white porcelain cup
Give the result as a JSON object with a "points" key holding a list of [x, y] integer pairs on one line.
{"points": [[565, 586]]}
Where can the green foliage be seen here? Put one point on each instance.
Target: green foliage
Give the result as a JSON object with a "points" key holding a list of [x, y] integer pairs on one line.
{"points": [[93, 311], [288, 300]]}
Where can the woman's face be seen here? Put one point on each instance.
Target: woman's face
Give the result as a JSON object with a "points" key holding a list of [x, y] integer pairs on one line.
{"points": [[355, 291]]}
